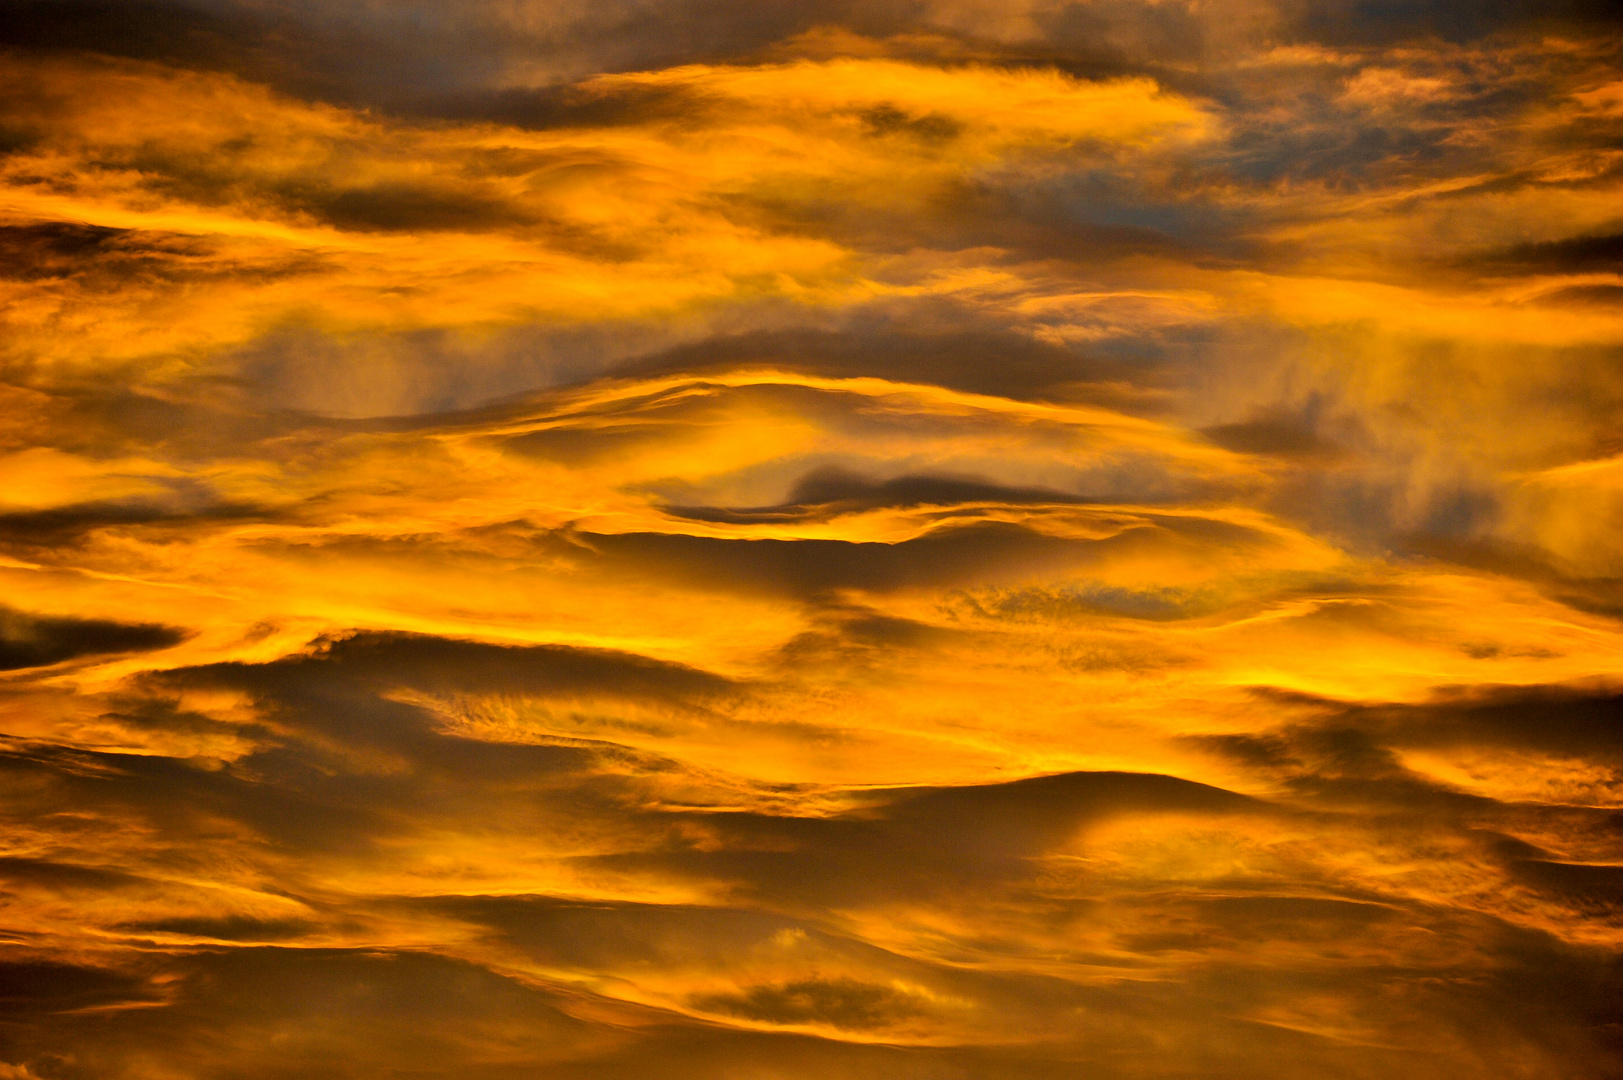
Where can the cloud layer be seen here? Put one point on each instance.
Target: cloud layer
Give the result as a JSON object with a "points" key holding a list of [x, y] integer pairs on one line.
{"points": [[944, 538]]}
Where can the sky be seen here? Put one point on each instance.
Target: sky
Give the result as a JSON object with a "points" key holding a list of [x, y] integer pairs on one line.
{"points": [[805, 539]]}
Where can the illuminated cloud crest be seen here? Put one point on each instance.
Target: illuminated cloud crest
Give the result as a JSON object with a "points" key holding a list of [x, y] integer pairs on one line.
{"points": [[950, 538]]}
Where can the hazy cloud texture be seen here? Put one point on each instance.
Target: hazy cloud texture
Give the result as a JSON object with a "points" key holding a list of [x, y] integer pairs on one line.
{"points": [[907, 539]]}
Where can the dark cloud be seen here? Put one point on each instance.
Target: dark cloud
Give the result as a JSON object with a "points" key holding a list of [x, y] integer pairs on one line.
{"points": [[337, 766], [31, 987], [1386, 22], [49, 532], [1354, 756], [1278, 437], [368, 662], [948, 556], [568, 105], [920, 844], [304, 53], [980, 361], [981, 840], [100, 423], [342, 1005], [592, 935], [1026, 816], [175, 32], [419, 58], [1072, 602], [1601, 595], [300, 801], [34, 640], [404, 207], [104, 260], [1587, 296], [830, 491], [1595, 890], [855, 637], [449, 59], [235, 928], [65, 876], [1580, 721], [225, 174], [976, 553], [841, 1003], [1575, 255], [53, 248]]}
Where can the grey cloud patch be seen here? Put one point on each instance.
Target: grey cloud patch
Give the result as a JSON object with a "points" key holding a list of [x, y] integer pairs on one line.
{"points": [[948, 556], [1599, 595], [977, 360], [835, 485], [35, 640], [1352, 756], [1275, 437], [858, 638], [1384, 22], [1583, 721], [1025, 816], [342, 1004], [1196, 923], [418, 58], [364, 662], [402, 207], [220, 176], [888, 120], [65, 876], [51, 531], [52, 249], [452, 60], [103, 260], [592, 934], [298, 800], [133, 28], [31, 987], [841, 1003], [238, 928], [309, 53], [105, 423], [916, 843], [973, 554], [399, 1010], [1574, 255], [337, 766], [567, 106], [1596, 890], [829, 491], [1586, 296], [434, 375], [1081, 601]]}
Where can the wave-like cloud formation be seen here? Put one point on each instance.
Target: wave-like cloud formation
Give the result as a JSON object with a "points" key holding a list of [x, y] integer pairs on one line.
{"points": [[985, 539]]}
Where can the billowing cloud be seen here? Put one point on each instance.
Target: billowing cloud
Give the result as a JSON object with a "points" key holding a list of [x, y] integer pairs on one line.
{"points": [[968, 538]]}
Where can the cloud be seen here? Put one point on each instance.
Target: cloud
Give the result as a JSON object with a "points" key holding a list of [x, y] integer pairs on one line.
{"points": [[32, 987], [1574, 255], [32, 641], [841, 1003], [830, 491], [382, 660], [928, 539]]}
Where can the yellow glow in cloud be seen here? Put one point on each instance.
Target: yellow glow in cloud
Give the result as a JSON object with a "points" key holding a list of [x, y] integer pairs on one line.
{"points": [[224, 179]]}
